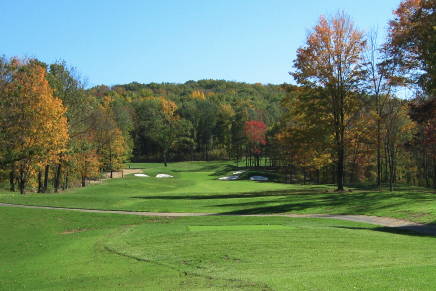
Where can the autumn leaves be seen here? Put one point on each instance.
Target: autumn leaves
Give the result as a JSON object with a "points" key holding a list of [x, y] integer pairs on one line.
{"points": [[51, 130], [33, 124]]}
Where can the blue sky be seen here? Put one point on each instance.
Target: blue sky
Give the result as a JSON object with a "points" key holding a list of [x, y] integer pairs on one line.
{"points": [[115, 42]]}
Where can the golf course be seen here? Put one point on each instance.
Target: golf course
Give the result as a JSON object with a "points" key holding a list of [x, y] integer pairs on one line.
{"points": [[218, 145], [235, 235]]}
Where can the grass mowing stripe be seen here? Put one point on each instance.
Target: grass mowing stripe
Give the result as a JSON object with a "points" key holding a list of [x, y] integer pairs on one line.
{"points": [[237, 227]]}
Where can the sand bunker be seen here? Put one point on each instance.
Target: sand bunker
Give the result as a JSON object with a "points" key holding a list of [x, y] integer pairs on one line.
{"points": [[229, 178], [238, 172], [164, 176], [141, 175]]}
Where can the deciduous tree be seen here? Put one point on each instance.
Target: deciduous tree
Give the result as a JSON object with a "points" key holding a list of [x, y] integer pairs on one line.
{"points": [[332, 59], [33, 122]]}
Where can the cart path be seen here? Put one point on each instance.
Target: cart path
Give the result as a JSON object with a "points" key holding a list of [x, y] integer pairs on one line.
{"points": [[377, 220]]}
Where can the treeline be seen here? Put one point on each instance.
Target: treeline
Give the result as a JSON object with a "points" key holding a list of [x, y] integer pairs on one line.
{"points": [[344, 124], [53, 132], [197, 120]]}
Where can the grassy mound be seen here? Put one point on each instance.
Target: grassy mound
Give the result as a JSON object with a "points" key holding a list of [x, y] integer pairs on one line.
{"points": [[283, 254]]}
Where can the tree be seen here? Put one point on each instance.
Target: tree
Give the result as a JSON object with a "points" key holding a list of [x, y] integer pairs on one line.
{"points": [[410, 52], [332, 59], [424, 114], [255, 131], [80, 106], [411, 44], [304, 131], [111, 145], [113, 152], [160, 122], [399, 129], [85, 160], [33, 122], [379, 86]]}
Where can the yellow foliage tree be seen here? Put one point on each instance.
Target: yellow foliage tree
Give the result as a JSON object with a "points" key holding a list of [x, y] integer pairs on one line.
{"points": [[33, 122], [198, 94]]}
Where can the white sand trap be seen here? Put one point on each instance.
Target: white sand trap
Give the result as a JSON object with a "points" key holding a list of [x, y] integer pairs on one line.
{"points": [[164, 176], [238, 172], [141, 175], [258, 178], [229, 178]]}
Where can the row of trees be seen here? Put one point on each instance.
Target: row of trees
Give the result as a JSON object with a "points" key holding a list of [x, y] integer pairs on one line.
{"points": [[346, 112], [53, 133], [197, 120]]}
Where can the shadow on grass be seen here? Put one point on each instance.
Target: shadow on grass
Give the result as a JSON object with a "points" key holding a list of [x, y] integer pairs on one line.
{"points": [[314, 200], [425, 230], [224, 170], [217, 169], [337, 203], [284, 193]]}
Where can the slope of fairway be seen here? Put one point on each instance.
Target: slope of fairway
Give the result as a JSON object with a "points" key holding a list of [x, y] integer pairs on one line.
{"points": [[54, 249], [58, 250], [195, 188], [284, 254]]}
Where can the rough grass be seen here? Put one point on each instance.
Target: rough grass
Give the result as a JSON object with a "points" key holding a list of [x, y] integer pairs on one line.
{"points": [[195, 188], [61, 250]]}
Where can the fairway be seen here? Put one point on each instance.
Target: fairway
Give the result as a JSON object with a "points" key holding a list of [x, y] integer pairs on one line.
{"points": [[54, 249], [195, 188]]}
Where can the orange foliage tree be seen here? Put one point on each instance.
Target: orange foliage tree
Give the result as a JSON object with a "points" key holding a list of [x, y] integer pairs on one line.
{"points": [[332, 59], [33, 122]]}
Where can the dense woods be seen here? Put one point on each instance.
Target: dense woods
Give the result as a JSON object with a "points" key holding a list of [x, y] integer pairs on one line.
{"points": [[343, 123]]}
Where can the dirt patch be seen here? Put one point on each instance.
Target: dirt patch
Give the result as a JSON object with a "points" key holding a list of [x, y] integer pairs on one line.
{"points": [[115, 175], [123, 172], [75, 231]]}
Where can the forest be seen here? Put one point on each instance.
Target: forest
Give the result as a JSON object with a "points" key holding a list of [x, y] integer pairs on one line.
{"points": [[343, 121]]}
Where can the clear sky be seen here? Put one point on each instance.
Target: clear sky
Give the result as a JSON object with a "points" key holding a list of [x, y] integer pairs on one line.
{"points": [[115, 42]]}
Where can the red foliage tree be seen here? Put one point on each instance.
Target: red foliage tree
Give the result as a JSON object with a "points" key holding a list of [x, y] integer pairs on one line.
{"points": [[255, 132]]}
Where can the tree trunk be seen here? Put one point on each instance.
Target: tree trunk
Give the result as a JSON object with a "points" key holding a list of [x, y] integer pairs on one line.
{"points": [[83, 181], [318, 176], [12, 179], [165, 158], [434, 173], [40, 185], [340, 168], [57, 178], [66, 182], [22, 181], [46, 172], [391, 166], [379, 168], [426, 169]]}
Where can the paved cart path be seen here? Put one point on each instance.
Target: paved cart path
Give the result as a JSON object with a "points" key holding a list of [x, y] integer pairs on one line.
{"points": [[377, 220]]}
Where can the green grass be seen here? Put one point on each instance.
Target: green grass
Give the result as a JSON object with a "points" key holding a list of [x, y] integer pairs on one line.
{"points": [[195, 188], [61, 250]]}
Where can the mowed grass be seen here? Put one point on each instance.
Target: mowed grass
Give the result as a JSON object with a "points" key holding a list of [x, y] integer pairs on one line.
{"points": [[195, 188], [61, 250]]}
